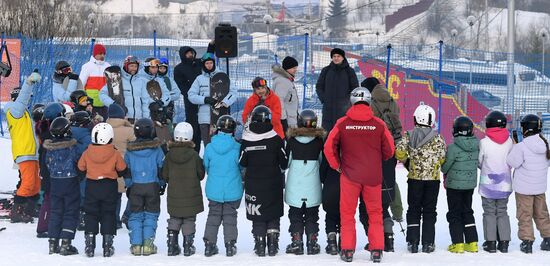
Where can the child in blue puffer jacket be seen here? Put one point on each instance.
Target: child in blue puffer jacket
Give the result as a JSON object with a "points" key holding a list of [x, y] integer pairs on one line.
{"points": [[81, 129], [224, 187], [144, 158]]}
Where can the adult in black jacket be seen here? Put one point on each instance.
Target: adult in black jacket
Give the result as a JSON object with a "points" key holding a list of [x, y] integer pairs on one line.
{"points": [[263, 155], [184, 75]]}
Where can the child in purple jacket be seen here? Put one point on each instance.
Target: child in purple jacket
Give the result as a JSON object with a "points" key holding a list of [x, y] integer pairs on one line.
{"points": [[530, 160]]}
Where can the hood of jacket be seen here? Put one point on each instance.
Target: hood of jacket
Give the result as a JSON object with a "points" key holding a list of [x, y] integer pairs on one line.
{"points": [[95, 61], [51, 144], [180, 151], [381, 94], [127, 76], [118, 122], [343, 65], [143, 148], [211, 74], [535, 144], [145, 75], [223, 143], [305, 135], [101, 153], [467, 143], [497, 134], [279, 72], [360, 112], [183, 50], [421, 136]]}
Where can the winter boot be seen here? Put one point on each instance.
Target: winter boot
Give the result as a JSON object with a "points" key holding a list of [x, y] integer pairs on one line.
{"points": [[108, 249], [471, 247], [456, 248], [332, 245], [388, 242], [259, 246], [272, 242], [30, 207], [526, 246], [490, 246], [545, 244], [188, 248], [297, 245], [42, 235], [53, 245], [81, 222], [136, 250], [347, 255], [503, 246], [428, 247], [210, 249], [66, 248], [149, 247], [172, 242], [230, 248], [312, 247], [18, 214], [90, 244], [412, 247], [376, 256]]}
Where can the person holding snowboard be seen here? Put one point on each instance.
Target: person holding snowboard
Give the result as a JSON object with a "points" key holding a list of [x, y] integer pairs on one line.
{"points": [[64, 82], [159, 98], [93, 78]]}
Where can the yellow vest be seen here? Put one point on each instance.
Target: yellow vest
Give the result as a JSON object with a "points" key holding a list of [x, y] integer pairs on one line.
{"points": [[23, 139]]}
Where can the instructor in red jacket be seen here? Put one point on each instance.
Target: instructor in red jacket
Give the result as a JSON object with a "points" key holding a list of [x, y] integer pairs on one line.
{"points": [[356, 147]]}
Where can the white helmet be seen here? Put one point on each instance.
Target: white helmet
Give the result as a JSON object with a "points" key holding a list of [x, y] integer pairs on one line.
{"points": [[68, 110], [183, 132], [102, 134], [360, 94], [424, 115]]}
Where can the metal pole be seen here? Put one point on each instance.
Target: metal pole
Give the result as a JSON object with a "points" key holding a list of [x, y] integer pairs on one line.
{"points": [[388, 66], [154, 43], [1, 52], [306, 38], [439, 107], [511, 47], [132, 19], [487, 25], [454, 57], [543, 55], [92, 43]]}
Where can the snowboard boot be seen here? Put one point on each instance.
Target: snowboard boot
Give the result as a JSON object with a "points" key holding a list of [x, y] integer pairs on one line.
{"points": [[108, 249], [347, 255], [388, 242], [456, 248], [81, 222], [428, 247], [210, 249], [545, 244], [230, 248], [490, 246], [42, 235], [149, 247], [412, 247], [53, 245], [332, 244], [188, 248], [471, 247], [297, 245], [136, 250], [376, 256], [30, 207], [90, 244], [172, 242], [272, 242], [18, 214], [66, 249], [503, 246], [526, 246], [259, 246], [312, 247]]}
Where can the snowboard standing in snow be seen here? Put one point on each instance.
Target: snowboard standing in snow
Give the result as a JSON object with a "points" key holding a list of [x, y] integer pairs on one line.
{"points": [[114, 84], [219, 88], [158, 111]]}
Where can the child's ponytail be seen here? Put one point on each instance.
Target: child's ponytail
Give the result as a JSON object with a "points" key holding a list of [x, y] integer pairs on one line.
{"points": [[547, 149]]}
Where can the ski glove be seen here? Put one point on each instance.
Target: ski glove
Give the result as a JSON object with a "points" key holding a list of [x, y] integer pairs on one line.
{"points": [[162, 189], [73, 76], [33, 78], [210, 100]]}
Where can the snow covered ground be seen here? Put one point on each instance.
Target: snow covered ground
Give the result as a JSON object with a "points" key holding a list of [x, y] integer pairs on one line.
{"points": [[19, 246]]}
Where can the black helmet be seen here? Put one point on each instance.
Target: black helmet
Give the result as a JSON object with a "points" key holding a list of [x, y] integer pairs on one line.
{"points": [[307, 118], [60, 128], [226, 124], [261, 114], [531, 125], [144, 128], [116, 111], [53, 110], [81, 118], [61, 65], [15, 93], [463, 126], [76, 95], [37, 112], [495, 119]]}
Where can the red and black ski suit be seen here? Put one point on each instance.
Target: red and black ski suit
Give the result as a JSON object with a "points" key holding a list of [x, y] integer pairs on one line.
{"points": [[356, 147]]}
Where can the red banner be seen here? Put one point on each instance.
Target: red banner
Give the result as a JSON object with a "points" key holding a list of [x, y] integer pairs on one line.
{"points": [[14, 49]]}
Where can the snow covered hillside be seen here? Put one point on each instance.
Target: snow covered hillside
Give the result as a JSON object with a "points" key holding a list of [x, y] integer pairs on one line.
{"points": [[19, 246]]}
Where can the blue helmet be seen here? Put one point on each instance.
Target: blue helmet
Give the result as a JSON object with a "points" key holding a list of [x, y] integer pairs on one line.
{"points": [[164, 61], [53, 110]]}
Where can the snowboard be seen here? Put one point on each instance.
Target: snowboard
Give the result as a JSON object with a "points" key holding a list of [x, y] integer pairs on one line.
{"points": [[158, 112], [219, 88], [5, 208], [114, 84]]}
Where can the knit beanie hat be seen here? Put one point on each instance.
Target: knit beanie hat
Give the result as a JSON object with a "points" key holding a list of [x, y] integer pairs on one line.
{"points": [[289, 62], [337, 51], [99, 49]]}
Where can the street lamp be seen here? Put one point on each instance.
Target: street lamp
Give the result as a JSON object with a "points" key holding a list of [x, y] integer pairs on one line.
{"points": [[471, 21], [543, 34], [454, 32], [377, 35], [268, 19]]}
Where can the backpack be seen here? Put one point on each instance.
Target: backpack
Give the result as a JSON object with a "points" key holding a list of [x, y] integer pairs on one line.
{"points": [[390, 118]]}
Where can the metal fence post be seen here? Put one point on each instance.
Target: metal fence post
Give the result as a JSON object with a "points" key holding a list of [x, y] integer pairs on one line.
{"points": [[154, 43], [306, 37], [439, 87], [1, 52], [92, 43], [388, 66]]}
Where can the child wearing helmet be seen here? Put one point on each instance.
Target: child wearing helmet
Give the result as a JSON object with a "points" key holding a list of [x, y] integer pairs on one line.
{"points": [[303, 185], [144, 158], [460, 171], [495, 182], [182, 171], [263, 155], [224, 188], [422, 150], [61, 158], [102, 165], [530, 159]]}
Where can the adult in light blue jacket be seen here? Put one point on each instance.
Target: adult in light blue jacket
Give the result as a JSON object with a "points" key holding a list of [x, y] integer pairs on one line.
{"points": [[136, 98], [175, 93], [221, 162], [149, 72], [64, 82], [199, 94]]}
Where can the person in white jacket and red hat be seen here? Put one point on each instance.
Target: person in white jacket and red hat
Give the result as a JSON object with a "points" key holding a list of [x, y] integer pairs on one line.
{"points": [[93, 78]]}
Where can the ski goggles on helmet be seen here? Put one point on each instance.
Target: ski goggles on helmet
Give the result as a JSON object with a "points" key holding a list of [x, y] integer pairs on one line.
{"points": [[153, 63], [65, 70], [85, 100], [259, 83]]}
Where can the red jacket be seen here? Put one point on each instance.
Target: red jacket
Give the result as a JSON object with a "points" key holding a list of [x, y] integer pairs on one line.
{"points": [[272, 102], [358, 144]]}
